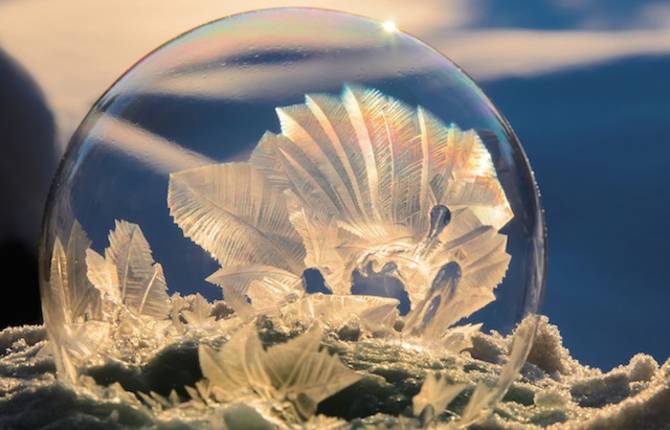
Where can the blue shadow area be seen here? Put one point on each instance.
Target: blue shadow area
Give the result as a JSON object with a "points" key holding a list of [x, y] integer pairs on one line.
{"points": [[599, 142]]}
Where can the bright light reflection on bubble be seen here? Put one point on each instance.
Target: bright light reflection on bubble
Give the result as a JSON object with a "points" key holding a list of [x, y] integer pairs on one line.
{"points": [[390, 26]]}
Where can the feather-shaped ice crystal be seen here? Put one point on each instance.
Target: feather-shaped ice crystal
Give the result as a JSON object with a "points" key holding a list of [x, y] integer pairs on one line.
{"points": [[297, 372], [358, 184]]}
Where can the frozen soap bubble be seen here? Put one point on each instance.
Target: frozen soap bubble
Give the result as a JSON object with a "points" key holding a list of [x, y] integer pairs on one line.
{"points": [[283, 209]]}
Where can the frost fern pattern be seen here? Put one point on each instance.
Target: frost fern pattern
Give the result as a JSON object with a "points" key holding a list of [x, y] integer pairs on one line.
{"points": [[377, 196], [359, 184]]}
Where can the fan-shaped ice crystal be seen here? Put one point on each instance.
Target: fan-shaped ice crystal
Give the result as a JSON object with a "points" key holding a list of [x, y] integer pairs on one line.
{"points": [[358, 183]]}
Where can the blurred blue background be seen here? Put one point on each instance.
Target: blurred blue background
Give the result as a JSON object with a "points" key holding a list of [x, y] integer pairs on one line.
{"points": [[584, 84], [598, 141]]}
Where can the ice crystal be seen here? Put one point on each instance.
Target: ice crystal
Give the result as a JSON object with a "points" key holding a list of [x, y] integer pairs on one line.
{"points": [[74, 298], [128, 275], [72, 301], [377, 196], [375, 314], [411, 199], [436, 393], [196, 310], [484, 395], [297, 373]]}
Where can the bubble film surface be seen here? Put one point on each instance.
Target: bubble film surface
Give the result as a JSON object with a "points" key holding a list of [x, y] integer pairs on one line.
{"points": [[274, 197]]}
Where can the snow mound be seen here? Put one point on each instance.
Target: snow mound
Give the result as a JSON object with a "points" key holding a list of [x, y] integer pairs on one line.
{"points": [[554, 390]]}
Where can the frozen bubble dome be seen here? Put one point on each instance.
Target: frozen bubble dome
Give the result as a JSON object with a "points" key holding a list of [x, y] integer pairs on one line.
{"points": [[298, 210]]}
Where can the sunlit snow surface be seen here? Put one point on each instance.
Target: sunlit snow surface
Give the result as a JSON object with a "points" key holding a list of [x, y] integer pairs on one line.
{"points": [[554, 390]]}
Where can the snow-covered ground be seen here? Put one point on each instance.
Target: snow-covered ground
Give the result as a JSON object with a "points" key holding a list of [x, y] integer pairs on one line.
{"points": [[554, 391]]}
